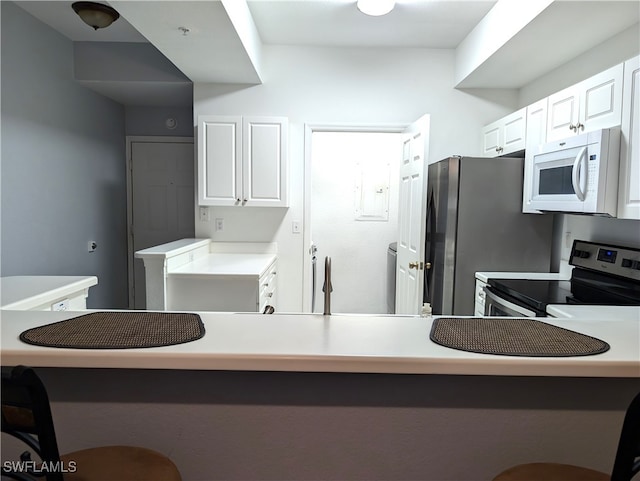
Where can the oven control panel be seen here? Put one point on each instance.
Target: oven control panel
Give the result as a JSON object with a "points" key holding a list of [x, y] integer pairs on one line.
{"points": [[614, 260]]}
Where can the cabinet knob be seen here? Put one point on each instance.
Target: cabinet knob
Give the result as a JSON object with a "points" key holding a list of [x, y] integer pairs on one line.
{"points": [[579, 126], [572, 127]]}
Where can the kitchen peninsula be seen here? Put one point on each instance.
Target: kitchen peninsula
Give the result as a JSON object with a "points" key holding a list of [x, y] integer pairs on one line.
{"points": [[198, 274], [288, 396], [339, 343]]}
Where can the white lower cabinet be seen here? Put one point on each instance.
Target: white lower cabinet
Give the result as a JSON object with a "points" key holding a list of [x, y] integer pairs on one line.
{"points": [[45, 293], [479, 298], [224, 282], [629, 184]]}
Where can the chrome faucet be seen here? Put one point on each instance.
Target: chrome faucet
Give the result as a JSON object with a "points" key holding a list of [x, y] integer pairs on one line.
{"points": [[327, 287]]}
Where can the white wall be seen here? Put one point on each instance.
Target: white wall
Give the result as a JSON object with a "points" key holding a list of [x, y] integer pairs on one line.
{"points": [[358, 248], [341, 86], [612, 52]]}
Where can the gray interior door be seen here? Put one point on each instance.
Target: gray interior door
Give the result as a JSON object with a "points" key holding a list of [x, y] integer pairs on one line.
{"points": [[162, 197]]}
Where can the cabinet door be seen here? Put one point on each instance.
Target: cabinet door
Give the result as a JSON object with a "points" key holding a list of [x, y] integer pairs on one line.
{"points": [[629, 185], [536, 135], [265, 161], [601, 100], [492, 139], [505, 136], [219, 160], [562, 113], [514, 131]]}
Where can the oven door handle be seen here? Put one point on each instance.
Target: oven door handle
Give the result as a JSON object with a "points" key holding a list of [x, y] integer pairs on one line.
{"points": [[577, 172], [510, 307]]}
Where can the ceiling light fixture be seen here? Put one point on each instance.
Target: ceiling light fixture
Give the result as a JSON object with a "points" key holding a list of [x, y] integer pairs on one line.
{"points": [[376, 8], [95, 15]]}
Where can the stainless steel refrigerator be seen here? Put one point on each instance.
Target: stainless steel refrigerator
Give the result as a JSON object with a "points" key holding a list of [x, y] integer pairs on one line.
{"points": [[475, 223]]}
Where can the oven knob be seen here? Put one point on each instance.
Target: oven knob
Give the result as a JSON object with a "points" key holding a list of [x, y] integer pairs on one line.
{"points": [[627, 263], [581, 254]]}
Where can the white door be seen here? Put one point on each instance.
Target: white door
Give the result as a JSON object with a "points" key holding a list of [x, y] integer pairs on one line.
{"points": [[412, 218], [161, 202]]}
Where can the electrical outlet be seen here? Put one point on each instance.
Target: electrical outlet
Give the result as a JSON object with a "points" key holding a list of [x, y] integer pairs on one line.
{"points": [[219, 224], [62, 305]]}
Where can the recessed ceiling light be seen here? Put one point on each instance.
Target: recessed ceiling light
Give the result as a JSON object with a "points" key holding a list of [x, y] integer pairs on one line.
{"points": [[376, 7]]}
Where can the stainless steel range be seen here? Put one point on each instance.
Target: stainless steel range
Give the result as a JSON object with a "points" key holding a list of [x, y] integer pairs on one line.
{"points": [[602, 275]]}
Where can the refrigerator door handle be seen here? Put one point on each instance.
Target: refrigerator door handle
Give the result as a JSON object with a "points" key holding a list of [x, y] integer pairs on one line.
{"points": [[428, 247]]}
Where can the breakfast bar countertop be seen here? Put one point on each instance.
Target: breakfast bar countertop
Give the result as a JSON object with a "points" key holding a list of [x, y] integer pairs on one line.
{"points": [[336, 343]]}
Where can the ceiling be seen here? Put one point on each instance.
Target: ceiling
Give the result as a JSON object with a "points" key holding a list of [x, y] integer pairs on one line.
{"points": [[413, 23], [337, 23]]}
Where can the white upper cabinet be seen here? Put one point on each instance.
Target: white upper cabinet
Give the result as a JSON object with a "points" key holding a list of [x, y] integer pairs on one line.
{"points": [[629, 185], [242, 161], [592, 104], [505, 136]]}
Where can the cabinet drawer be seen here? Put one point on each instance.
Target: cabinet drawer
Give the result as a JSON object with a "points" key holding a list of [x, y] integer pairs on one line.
{"points": [[268, 288]]}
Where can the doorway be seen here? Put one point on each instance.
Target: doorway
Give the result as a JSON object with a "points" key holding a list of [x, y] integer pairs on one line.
{"points": [[353, 214], [160, 200]]}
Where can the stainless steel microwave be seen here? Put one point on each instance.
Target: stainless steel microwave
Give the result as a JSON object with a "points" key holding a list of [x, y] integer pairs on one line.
{"points": [[578, 174]]}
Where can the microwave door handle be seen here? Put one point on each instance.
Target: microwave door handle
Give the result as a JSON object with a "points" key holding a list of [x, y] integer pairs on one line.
{"points": [[577, 172]]}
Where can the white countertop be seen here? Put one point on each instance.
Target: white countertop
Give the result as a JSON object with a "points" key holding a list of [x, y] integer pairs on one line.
{"points": [[172, 249], [573, 311], [316, 343], [28, 292], [549, 276], [252, 265]]}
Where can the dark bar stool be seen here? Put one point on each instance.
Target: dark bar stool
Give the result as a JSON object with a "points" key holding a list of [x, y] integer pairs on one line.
{"points": [[26, 415]]}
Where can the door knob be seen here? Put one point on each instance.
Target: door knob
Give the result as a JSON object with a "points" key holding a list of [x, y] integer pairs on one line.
{"points": [[415, 265], [427, 265]]}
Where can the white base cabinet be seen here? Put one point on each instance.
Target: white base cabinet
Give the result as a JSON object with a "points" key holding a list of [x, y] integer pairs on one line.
{"points": [[200, 275], [242, 161], [224, 282], [46, 293]]}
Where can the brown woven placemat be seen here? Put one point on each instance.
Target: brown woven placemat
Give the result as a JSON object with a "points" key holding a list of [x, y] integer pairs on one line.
{"points": [[118, 330], [513, 337]]}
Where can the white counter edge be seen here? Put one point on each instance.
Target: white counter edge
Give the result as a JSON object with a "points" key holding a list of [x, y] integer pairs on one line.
{"points": [[313, 343], [51, 295]]}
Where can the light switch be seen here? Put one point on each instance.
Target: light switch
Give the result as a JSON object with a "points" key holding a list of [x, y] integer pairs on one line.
{"points": [[296, 227]]}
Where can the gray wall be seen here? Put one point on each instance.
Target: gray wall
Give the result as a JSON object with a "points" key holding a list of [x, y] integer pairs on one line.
{"points": [[63, 165], [306, 426], [151, 121]]}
